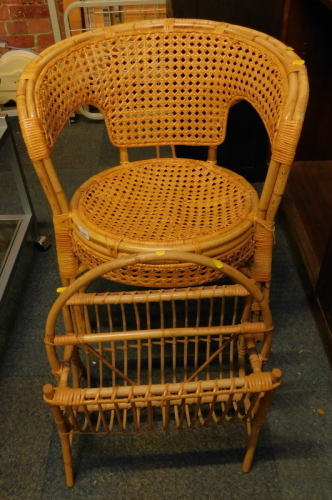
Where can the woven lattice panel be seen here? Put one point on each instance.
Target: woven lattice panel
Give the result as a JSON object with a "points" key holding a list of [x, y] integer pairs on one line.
{"points": [[165, 202], [165, 87]]}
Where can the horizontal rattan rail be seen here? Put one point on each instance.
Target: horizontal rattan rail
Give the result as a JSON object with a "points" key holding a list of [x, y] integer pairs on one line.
{"points": [[244, 328], [158, 395], [158, 295]]}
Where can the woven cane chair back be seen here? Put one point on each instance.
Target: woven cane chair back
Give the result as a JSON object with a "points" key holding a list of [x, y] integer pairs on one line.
{"points": [[156, 85], [158, 360]]}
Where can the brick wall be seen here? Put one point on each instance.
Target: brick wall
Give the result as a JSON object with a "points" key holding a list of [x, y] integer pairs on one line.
{"points": [[26, 23]]}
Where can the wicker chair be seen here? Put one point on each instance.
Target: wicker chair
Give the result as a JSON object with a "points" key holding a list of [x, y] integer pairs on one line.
{"points": [[157, 83], [159, 360]]}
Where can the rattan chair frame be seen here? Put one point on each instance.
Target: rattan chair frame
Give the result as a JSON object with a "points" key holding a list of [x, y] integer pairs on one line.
{"points": [[275, 84], [128, 393]]}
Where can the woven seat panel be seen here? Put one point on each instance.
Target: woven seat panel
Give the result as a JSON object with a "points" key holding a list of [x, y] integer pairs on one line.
{"points": [[167, 275], [165, 202]]}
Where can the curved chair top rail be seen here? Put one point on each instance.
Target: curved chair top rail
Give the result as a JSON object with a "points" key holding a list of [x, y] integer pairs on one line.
{"points": [[163, 256], [164, 82]]}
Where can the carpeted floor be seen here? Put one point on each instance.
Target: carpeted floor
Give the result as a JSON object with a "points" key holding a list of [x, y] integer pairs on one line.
{"points": [[294, 455]]}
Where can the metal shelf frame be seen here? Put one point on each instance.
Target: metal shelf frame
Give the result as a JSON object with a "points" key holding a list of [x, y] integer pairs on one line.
{"points": [[26, 222]]}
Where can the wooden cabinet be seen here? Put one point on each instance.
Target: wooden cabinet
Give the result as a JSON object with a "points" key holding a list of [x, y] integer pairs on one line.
{"points": [[308, 199], [257, 14], [308, 29]]}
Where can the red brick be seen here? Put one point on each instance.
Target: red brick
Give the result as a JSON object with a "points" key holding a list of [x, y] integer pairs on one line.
{"points": [[21, 41], [16, 12], [44, 41], [39, 26], [2, 29], [60, 7], [16, 27], [28, 11], [12, 2], [33, 1], [4, 12]]}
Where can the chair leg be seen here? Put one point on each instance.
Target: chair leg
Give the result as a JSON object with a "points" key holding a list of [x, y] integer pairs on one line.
{"points": [[67, 261], [67, 458], [259, 418], [266, 347], [264, 407], [64, 434]]}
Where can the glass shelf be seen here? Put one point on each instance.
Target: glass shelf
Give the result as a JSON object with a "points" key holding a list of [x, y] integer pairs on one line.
{"points": [[14, 228], [8, 232]]}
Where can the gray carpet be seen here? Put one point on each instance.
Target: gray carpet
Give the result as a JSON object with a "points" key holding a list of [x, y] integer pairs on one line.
{"points": [[294, 455]]}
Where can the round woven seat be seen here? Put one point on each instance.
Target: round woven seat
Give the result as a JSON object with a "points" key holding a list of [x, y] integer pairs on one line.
{"points": [[163, 204]]}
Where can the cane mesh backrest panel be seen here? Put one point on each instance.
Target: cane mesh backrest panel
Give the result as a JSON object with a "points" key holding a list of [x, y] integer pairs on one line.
{"points": [[161, 86]]}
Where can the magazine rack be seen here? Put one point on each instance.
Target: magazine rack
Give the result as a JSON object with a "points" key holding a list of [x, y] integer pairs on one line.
{"points": [[159, 360]]}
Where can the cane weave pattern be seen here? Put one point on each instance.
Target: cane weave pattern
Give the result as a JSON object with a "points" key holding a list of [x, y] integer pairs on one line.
{"points": [[161, 87], [162, 203], [164, 275], [165, 202]]}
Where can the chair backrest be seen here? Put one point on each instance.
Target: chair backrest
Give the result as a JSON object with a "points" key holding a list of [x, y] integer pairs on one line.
{"points": [[164, 82]]}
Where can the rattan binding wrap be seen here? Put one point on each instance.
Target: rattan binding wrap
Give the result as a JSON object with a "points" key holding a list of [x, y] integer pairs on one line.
{"points": [[165, 83]]}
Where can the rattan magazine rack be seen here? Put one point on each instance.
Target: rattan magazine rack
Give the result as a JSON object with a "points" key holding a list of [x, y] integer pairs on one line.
{"points": [[165, 83], [159, 359]]}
